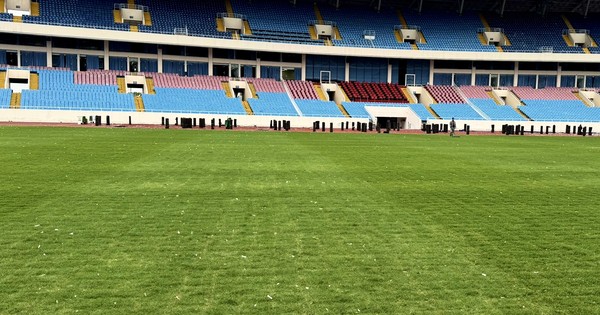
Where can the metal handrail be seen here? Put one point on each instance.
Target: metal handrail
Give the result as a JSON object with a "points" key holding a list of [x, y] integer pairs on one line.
{"points": [[575, 31], [317, 22], [407, 27], [231, 15], [118, 6]]}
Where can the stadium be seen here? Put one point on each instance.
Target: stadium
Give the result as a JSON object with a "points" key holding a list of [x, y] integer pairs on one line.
{"points": [[372, 209]]}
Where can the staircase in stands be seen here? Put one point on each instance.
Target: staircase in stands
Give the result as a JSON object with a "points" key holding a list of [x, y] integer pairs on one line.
{"points": [[15, 101], [2, 79], [150, 86], [34, 81], [139, 103]]}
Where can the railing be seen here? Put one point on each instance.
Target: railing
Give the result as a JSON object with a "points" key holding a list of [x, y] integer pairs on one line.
{"points": [[317, 22], [493, 29], [180, 31], [579, 31], [231, 15], [369, 33], [119, 6], [407, 27], [546, 49]]}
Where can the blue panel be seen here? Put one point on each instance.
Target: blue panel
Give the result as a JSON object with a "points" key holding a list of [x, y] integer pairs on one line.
{"points": [[567, 81], [442, 78], [335, 64], [197, 68], [368, 70], [93, 62], [482, 79], [462, 79], [30, 58], [546, 81], [149, 65], [527, 80], [173, 66], [267, 72], [118, 63], [2, 57], [507, 80], [420, 68]]}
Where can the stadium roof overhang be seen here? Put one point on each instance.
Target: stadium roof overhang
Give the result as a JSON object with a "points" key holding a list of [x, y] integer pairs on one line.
{"points": [[583, 7]]}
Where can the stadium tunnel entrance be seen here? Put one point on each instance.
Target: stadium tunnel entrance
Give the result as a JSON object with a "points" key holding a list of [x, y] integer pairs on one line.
{"points": [[394, 123]]}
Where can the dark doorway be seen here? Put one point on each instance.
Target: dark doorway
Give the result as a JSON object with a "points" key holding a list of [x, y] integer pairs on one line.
{"points": [[11, 58], [239, 93], [395, 123]]}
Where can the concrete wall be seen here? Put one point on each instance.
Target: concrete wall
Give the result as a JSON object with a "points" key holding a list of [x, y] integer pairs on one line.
{"points": [[71, 117]]}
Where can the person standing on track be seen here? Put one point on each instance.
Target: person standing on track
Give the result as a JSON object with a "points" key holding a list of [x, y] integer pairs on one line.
{"points": [[452, 127]]}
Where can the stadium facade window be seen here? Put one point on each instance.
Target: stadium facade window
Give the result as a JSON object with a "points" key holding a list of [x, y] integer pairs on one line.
{"points": [[33, 58], [494, 65], [197, 68], [196, 52], [507, 80], [173, 50], [462, 79], [291, 73], [291, 58], [25, 40], [269, 56], [527, 80], [70, 43], [442, 78], [65, 61], [420, 69], [221, 70], [546, 66], [12, 58], [368, 69], [93, 62], [546, 81], [148, 65], [567, 81], [117, 63], [270, 72], [592, 81], [223, 53], [336, 65], [174, 66], [133, 47], [452, 64], [2, 57]]}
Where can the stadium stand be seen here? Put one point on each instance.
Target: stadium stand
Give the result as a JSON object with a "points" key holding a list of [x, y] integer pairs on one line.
{"points": [[179, 100], [448, 30], [302, 90], [526, 92], [560, 110], [422, 111], [479, 97], [353, 21], [5, 95], [317, 108], [88, 14], [374, 92], [57, 90], [445, 94], [196, 16], [530, 32], [456, 111], [290, 26], [496, 112], [276, 104]]}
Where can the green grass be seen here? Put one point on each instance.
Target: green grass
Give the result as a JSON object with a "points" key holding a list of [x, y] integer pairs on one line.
{"points": [[101, 221]]}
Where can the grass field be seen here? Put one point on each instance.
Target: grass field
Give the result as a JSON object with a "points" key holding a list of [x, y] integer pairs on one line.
{"points": [[122, 221]]}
